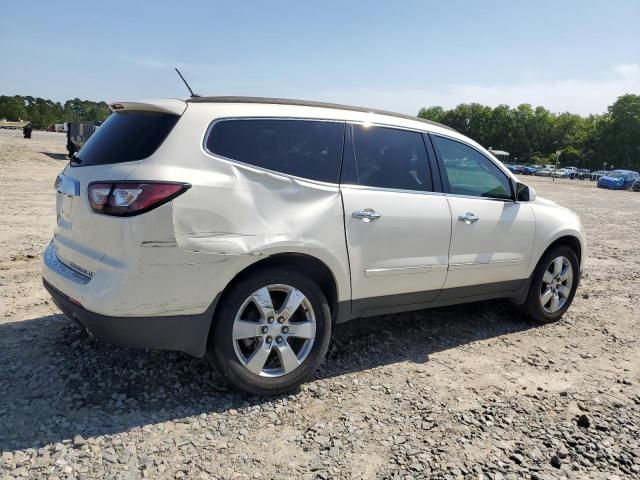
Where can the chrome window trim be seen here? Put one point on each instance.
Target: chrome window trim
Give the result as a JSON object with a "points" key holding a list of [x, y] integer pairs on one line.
{"points": [[473, 197], [386, 125], [209, 153], [392, 190]]}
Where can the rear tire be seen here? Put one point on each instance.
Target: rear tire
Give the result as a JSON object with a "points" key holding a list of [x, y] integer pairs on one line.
{"points": [[553, 285], [270, 332]]}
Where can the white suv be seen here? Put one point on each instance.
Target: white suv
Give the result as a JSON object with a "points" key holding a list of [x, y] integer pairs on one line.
{"points": [[246, 228]]}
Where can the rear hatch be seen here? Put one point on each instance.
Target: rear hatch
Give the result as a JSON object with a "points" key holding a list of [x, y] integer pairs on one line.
{"points": [[132, 133]]}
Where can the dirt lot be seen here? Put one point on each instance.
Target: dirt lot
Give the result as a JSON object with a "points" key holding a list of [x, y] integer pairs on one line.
{"points": [[466, 392]]}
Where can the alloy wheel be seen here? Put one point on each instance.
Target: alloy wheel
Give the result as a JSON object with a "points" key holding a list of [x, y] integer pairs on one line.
{"points": [[556, 284], [274, 330]]}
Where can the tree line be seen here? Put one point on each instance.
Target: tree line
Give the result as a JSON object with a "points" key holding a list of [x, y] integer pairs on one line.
{"points": [[533, 135], [42, 112], [530, 135]]}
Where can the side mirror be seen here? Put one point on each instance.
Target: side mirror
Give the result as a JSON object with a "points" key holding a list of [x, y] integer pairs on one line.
{"points": [[525, 193]]}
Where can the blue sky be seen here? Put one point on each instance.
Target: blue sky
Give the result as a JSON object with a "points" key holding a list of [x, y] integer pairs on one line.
{"points": [[566, 55]]}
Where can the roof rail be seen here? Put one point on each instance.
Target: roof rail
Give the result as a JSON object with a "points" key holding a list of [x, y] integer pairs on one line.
{"points": [[310, 103]]}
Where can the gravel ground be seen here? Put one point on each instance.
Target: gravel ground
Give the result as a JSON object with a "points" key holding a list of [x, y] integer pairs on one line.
{"points": [[466, 392]]}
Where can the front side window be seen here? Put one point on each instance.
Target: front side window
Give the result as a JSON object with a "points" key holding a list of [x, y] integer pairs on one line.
{"points": [[391, 158], [304, 148], [469, 172]]}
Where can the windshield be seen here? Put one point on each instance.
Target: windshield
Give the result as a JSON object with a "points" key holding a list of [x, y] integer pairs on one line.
{"points": [[124, 137], [618, 175]]}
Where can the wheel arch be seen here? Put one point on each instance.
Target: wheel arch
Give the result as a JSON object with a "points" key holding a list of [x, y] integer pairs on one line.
{"points": [[571, 241], [303, 263]]}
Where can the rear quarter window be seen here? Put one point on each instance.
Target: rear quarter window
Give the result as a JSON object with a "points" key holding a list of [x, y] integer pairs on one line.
{"points": [[309, 149], [126, 136]]}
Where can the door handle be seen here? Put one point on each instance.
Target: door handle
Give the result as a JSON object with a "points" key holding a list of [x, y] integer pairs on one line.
{"points": [[366, 215], [468, 218]]}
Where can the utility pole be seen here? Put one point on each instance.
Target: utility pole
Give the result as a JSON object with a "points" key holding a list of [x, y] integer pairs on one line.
{"points": [[557, 162]]}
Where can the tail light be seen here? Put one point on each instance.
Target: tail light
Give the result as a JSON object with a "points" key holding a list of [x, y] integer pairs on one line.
{"points": [[125, 199]]}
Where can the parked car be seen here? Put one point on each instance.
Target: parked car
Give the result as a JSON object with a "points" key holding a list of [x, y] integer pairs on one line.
{"points": [[636, 185], [618, 180], [597, 174], [243, 229], [560, 173], [528, 170], [523, 170], [580, 174], [583, 174], [544, 172]]}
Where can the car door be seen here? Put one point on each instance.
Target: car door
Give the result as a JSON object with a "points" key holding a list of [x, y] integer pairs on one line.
{"points": [[491, 234], [397, 227]]}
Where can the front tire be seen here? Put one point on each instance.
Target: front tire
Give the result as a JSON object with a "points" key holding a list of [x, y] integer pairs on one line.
{"points": [[271, 332], [553, 285]]}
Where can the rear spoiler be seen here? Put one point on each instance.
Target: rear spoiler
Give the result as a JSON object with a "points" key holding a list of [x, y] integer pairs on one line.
{"points": [[169, 105]]}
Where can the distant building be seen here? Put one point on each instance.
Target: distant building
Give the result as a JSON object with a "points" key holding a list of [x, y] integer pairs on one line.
{"points": [[500, 155], [19, 125]]}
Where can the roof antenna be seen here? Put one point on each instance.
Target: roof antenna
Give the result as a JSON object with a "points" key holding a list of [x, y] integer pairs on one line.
{"points": [[185, 82]]}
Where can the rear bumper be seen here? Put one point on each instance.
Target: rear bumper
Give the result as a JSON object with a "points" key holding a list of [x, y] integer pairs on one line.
{"points": [[186, 333], [147, 283]]}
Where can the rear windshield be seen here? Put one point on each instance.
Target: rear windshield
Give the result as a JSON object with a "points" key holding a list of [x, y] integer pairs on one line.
{"points": [[125, 137]]}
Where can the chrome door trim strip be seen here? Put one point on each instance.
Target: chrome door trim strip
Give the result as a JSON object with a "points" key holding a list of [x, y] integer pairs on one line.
{"points": [[374, 272], [494, 263]]}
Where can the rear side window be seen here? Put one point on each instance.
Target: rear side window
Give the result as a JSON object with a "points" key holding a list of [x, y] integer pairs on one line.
{"points": [[125, 137], [391, 158], [304, 148]]}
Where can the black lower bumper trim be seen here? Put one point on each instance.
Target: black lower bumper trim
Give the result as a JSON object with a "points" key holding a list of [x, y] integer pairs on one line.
{"points": [[186, 333]]}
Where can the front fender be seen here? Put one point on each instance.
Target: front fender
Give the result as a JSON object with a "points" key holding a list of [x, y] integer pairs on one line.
{"points": [[553, 223]]}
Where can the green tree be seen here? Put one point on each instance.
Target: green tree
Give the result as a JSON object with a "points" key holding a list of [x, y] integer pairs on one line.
{"points": [[620, 133], [42, 112], [435, 114], [12, 108], [535, 134], [570, 157]]}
